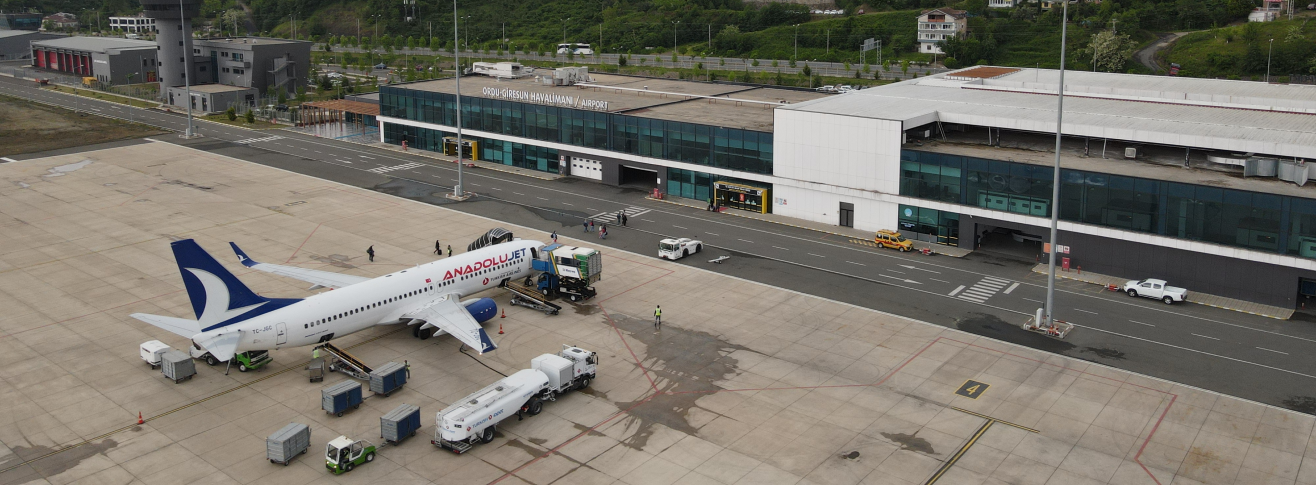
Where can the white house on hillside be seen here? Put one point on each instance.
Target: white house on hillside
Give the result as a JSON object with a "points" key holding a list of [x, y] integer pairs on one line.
{"points": [[937, 25]]}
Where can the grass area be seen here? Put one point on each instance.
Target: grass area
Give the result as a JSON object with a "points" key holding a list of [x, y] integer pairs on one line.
{"points": [[103, 96], [1242, 51], [258, 125], [28, 127]]}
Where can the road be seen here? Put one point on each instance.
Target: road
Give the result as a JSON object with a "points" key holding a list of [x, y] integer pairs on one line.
{"points": [[1238, 354], [724, 64], [1147, 55]]}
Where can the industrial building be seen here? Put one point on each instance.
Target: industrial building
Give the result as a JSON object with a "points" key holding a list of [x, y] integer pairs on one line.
{"points": [[137, 24], [108, 59], [213, 97], [17, 44], [1197, 181], [254, 62]]}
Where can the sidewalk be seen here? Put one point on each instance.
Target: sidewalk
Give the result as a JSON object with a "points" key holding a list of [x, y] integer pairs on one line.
{"points": [[1193, 297], [856, 235]]}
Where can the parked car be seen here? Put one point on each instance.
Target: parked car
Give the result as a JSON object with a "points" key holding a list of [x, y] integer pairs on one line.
{"points": [[826, 89], [1155, 289], [892, 239], [381, 66]]}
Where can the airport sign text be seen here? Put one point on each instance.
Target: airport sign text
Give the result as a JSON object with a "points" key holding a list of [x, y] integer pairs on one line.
{"points": [[545, 98]]}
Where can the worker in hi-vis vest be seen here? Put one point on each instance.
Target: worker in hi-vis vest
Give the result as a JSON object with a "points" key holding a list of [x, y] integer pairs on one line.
{"points": [[658, 318]]}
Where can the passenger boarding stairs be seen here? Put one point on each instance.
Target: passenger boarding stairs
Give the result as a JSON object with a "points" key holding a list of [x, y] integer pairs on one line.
{"points": [[346, 363], [529, 297]]}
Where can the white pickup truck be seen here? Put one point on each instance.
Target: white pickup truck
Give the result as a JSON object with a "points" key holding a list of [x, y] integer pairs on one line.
{"points": [[1157, 289]]}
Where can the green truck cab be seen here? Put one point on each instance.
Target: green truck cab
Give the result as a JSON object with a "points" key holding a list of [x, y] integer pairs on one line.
{"points": [[246, 361], [344, 454]]}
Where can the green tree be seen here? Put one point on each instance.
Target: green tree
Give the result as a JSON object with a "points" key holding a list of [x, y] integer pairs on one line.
{"points": [[231, 113], [806, 71], [1294, 33], [904, 66], [251, 116], [411, 42], [1110, 50], [621, 60], [283, 97]]}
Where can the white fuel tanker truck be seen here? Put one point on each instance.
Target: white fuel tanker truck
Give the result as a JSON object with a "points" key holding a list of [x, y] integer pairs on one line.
{"points": [[473, 419]]}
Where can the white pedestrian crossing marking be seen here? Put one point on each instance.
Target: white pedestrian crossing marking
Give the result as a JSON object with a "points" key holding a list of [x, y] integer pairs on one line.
{"points": [[984, 289], [405, 166], [612, 216], [248, 141]]}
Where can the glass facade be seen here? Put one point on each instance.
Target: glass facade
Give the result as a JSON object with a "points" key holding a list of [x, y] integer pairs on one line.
{"points": [[699, 186], [499, 151], [941, 227], [1252, 220], [735, 149]]}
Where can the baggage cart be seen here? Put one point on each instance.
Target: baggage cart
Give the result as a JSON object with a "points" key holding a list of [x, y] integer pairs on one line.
{"points": [[316, 369], [340, 397], [388, 378], [177, 366], [399, 424], [288, 442]]}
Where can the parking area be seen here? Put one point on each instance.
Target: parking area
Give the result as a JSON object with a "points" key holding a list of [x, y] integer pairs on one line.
{"points": [[743, 384]]}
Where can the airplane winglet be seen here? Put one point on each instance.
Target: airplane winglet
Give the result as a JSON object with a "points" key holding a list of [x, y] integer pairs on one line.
{"points": [[486, 342], [242, 256]]}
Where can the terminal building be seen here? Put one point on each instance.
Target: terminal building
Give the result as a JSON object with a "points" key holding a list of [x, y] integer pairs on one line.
{"points": [[1199, 182]]}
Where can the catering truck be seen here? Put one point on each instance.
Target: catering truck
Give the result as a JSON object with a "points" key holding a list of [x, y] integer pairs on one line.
{"points": [[473, 420]]}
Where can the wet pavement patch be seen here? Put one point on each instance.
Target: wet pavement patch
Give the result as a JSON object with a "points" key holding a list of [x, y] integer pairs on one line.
{"points": [[56, 464], [687, 363], [1105, 353], [990, 326], [853, 455], [335, 260], [909, 442], [1302, 404]]}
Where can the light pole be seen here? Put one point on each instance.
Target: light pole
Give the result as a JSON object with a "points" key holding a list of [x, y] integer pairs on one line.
{"points": [[187, 73], [797, 42], [467, 41], [564, 29], [1269, 51], [457, 192], [674, 26], [1049, 317]]}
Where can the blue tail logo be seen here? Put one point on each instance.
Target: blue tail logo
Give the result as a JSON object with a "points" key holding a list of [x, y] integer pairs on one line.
{"points": [[218, 298]]}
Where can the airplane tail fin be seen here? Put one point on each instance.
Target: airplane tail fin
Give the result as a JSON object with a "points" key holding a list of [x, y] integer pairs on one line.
{"points": [[217, 296]]}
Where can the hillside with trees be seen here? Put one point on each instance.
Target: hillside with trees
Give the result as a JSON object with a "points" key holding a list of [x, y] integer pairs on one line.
{"points": [[1021, 36]]}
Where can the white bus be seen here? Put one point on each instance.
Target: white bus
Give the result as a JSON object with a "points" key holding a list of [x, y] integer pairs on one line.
{"points": [[577, 49]]}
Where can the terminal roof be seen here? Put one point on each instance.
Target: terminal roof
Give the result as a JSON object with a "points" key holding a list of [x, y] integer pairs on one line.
{"points": [[94, 44], [723, 105], [1234, 116]]}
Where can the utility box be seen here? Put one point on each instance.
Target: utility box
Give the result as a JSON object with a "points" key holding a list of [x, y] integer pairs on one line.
{"points": [[285, 444], [177, 366], [340, 397], [152, 351], [388, 378], [399, 424]]}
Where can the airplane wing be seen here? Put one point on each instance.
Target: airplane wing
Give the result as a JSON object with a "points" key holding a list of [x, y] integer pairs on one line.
{"points": [[325, 279], [446, 313]]}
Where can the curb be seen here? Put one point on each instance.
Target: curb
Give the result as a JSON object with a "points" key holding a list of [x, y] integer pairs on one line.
{"points": [[814, 229], [1222, 307]]}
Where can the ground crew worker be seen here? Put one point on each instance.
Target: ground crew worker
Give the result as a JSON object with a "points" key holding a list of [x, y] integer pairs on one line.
{"points": [[371, 252], [554, 236], [585, 224], [438, 248], [407, 365], [658, 318], [315, 353]]}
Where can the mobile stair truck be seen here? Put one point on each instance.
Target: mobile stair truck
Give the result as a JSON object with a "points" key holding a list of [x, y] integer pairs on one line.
{"points": [[473, 420]]}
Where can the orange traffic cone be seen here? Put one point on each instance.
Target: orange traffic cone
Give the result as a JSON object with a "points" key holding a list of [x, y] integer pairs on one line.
{"points": [[500, 328], [139, 418], [504, 313]]}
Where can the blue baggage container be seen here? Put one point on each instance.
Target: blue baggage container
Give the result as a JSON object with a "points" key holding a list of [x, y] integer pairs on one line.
{"points": [[340, 397], [400, 423], [388, 378]]}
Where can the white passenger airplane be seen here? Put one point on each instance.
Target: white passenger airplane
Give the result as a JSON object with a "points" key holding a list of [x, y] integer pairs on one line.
{"points": [[232, 319]]}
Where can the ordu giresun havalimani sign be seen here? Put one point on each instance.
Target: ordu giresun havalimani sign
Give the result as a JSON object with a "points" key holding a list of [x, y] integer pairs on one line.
{"points": [[545, 98]]}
